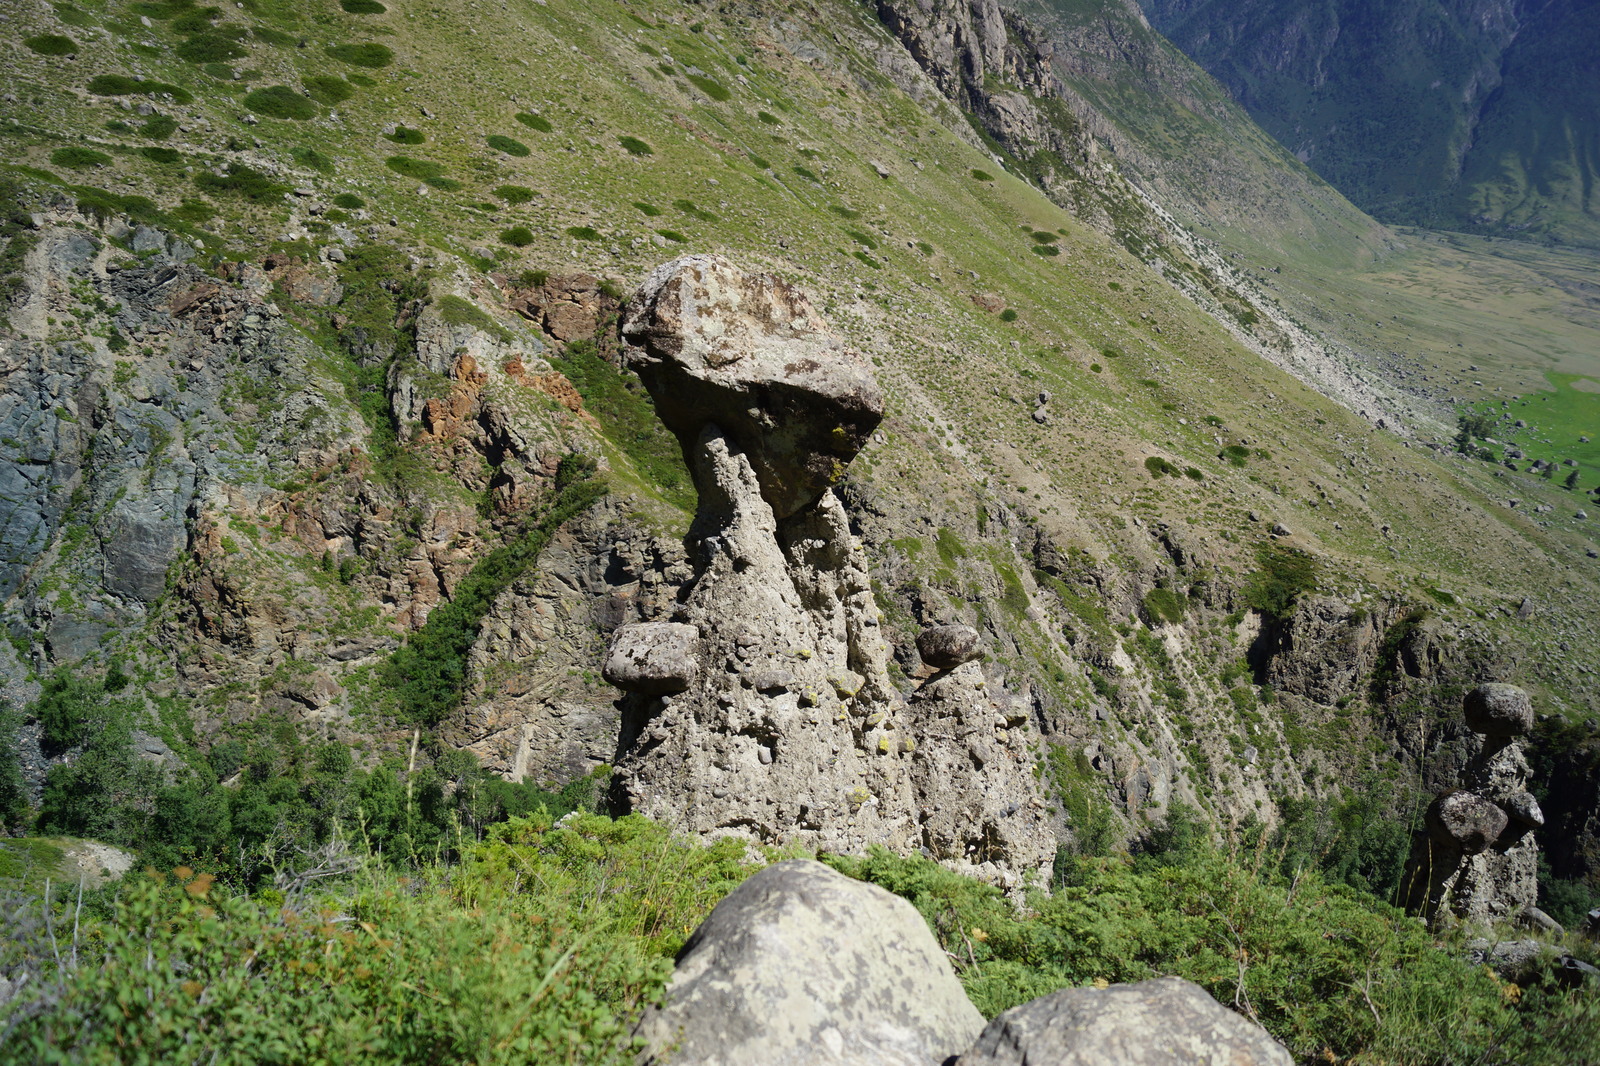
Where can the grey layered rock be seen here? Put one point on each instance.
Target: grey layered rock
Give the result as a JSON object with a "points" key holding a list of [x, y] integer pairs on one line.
{"points": [[946, 647], [1165, 1022], [1465, 821], [801, 965], [1499, 710], [1522, 807], [747, 353], [654, 658]]}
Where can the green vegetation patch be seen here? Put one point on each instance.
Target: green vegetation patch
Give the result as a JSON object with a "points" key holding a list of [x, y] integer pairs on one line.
{"points": [[517, 236], [328, 89], [674, 236], [711, 87], [51, 44], [635, 146], [79, 158], [534, 122], [507, 145], [981, 175], [689, 208], [421, 169], [405, 135], [1163, 606], [122, 85], [584, 233], [280, 101], [349, 201], [514, 194], [242, 180], [158, 127], [648, 210], [165, 156], [459, 312], [369, 55], [1282, 577], [211, 48], [362, 7]]}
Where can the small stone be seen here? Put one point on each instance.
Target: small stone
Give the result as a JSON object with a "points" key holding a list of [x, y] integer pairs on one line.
{"points": [[947, 647], [1281, 530], [1498, 710]]}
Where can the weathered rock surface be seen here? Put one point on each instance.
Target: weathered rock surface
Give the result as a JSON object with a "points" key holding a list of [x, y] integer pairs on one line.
{"points": [[1465, 821], [653, 658], [1499, 710], [801, 965], [747, 353], [1165, 1022], [946, 647]]}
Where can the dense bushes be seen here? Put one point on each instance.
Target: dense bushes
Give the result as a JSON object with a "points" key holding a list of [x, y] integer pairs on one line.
{"points": [[1284, 574]]}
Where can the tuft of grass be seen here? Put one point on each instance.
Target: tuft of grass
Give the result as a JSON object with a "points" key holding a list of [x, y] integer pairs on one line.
{"points": [[517, 236], [406, 135], [648, 210], [349, 201], [362, 7], [981, 175], [51, 44], [421, 169], [1008, 315], [79, 158], [769, 118], [205, 48], [241, 180], [1164, 606], [166, 156], [507, 145], [368, 55], [673, 235], [808, 175], [534, 122], [584, 233], [1046, 249], [635, 146], [280, 101], [688, 207], [514, 194], [328, 89], [158, 127]]}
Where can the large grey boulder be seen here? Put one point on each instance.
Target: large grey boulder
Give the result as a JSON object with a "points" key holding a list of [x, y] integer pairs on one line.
{"points": [[747, 353], [1499, 710], [802, 966], [1165, 1022], [1465, 820], [947, 647], [653, 658]]}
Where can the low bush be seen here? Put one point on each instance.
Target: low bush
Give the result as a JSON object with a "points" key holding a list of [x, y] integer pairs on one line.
{"points": [[534, 122], [349, 200], [242, 180], [635, 146], [981, 175], [280, 101], [420, 169], [673, 235], [584, 233], [711, 87], [689, 208], [51, 44], [327, 89], [517, 236], [648, 210], [1283, 575], [368, 55], [406, 135], [165, 156], [1163, 606], [211, 48], [514, 194], [79, 158], [158, 127], [362, 7], [507, 145]]}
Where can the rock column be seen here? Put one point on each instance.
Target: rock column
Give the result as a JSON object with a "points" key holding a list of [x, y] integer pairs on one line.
{"points": [[1476, 859]]}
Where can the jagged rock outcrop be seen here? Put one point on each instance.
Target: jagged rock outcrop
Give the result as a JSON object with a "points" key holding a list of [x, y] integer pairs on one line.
{"points": [[1476, 859], [790, 729], [801, 965]]}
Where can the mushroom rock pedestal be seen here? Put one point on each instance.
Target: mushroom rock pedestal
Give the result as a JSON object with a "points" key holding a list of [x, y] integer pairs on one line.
{"points": [[771, 715], [1476, 859]]}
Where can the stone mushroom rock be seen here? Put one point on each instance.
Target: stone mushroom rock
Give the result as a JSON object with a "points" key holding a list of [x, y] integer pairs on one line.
{"points": [[1499, 710], [1165, 1022], [747, 353], [947, 647], [803, 965], [1465, 821], [653, 658]]}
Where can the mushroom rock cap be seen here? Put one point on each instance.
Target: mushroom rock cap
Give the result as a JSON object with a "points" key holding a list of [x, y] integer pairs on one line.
{"points": [[748, 353]]}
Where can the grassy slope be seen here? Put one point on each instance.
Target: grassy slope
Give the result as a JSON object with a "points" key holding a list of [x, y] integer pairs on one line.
{"points": [[597, 73]]}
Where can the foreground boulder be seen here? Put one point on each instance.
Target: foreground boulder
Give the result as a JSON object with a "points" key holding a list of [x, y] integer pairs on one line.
{"points": [[1166, 1022], [801, 965], [747, 353]]}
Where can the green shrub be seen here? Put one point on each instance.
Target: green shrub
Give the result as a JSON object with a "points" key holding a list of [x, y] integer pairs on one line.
{"points": [[406, 135], [362, 55], [166, 156], [808, 175], [327, 89], [534, 122], [1044, 237], [420, 169], [648, 210], [584, 233], [276, 38], [517, 236], [1046, 249], [689, 208], [714, 89], [243, 181], [280, 101], [1194, 473], [362, 7], [861, 238], [51, 44], [981, 175], [349, 201], [507, 145], [73, 16], [1284, 574], [1236, 454], [1008, 315], [158, 127], [769, 118], [673, 235], [1159, 467], [114, 85], [321, 162], [635, 146], [1164, 606], [758, 162], [514, 194], [78, 157], [211, 48]]}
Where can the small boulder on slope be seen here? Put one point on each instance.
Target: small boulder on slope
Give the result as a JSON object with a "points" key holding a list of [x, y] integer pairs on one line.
{"points": [[803, 966], [1165, 1022]]}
